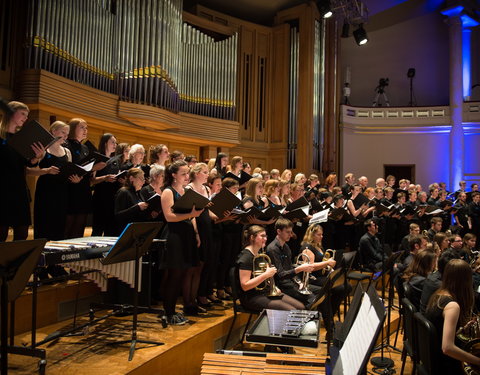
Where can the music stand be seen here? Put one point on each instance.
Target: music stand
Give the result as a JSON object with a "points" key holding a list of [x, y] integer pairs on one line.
{"points": [[131, 245], [382, 361], [18, 259]]}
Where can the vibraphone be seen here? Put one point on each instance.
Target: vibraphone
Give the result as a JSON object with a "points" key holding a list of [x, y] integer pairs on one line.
{"points": [[84, 254], [285, 328]]}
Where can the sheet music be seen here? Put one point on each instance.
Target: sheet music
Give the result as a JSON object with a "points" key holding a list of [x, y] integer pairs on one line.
{"points": [[356, 346], [320, 217]]}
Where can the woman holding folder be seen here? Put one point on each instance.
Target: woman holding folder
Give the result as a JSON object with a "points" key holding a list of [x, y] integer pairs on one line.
{"points": [[105, 189], [79, 193], [14, 194], [51, 193], [182, 240], [129, 204]]}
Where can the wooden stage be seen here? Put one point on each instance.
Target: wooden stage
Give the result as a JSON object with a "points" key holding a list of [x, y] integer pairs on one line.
{"points": [[182, 353]]}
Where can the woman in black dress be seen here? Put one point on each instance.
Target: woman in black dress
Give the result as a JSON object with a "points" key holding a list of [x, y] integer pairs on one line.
{"points": [[14, 194], [129, 204], [105, 188], [191, 282], [51, 193], [221, 163], [182, 240], [450, 308], [312, 247], [79, 194], [136, 156], [251, 297]]}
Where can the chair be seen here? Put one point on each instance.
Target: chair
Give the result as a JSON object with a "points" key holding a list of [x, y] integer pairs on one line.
{"points": [[357, 276], [410, 345], [237, 306], [429, 349]]}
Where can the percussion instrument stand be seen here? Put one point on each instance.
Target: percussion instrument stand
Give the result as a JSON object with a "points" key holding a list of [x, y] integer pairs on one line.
{"points": [[17, 261]]}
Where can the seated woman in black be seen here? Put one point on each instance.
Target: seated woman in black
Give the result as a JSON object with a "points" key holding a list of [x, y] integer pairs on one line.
{"points": [[255, 238], [449, 308], [422, 265], [129, 204], [312, 247]]}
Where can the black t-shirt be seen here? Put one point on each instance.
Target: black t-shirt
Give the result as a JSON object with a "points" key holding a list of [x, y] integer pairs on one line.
{"points": [[245, 262]]}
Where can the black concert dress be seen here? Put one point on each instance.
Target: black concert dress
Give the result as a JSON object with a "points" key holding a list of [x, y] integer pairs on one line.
{"points": [[127, 209], [104, 201], [181, 250], [79, 195], [14, 193], [51, 199]]}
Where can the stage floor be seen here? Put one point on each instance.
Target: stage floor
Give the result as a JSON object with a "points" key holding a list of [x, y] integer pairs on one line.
{"points": [[182, 352]]}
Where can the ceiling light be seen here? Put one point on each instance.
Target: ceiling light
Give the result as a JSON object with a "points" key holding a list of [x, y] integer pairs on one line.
{"points": [[324, 8], [360, 35]]}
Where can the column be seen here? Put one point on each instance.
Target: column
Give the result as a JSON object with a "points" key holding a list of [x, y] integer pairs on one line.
{"points": [[456, 101]]}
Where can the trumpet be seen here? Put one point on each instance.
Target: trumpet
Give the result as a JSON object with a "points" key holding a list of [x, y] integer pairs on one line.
{"points": [[329, 254], [303, 284], [260, 264]]}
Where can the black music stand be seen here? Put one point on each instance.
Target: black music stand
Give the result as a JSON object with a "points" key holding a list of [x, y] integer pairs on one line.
{"points": [[131, 245], [18, 259], [383, 362]]}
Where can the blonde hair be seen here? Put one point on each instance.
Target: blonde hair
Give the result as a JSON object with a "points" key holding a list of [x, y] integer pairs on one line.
{"points": [[58, 125], [197, 168], [270, 186]]}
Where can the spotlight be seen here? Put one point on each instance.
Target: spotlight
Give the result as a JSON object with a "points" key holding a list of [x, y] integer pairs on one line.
{"points": [[360, 35], [324, 8], [345, 29]]}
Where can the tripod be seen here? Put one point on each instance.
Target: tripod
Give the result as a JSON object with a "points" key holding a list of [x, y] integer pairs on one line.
{"points": [[376, 100], [413, 100]]}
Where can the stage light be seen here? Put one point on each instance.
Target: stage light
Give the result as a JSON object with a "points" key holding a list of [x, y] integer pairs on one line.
{"points": [[360, 35], [345, 29], [324, 8]]}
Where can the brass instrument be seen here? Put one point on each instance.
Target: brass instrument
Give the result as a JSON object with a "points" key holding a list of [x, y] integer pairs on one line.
{"points": [[303, 284], [260, 264], [469, 336], [329, 254]]}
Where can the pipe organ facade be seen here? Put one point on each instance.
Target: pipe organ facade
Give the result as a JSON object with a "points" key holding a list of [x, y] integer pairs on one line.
{"points": [[149, 72]]}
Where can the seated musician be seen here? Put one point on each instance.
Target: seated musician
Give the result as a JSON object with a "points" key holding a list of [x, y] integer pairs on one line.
{"points": [[370, 248], [251, 297], [285, 277], [312, 247], [435, 227], [450, 308], [129, 204], [423, 264]]}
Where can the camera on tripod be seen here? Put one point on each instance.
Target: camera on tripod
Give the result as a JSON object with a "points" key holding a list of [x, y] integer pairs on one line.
{"points": [[380, 90], [382, 83]]}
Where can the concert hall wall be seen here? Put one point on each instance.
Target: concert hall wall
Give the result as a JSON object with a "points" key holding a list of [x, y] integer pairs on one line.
{"points": [[398, 42]]}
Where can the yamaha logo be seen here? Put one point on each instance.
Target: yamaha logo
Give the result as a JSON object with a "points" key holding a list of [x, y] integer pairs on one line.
{"points": [[70, 256]]}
